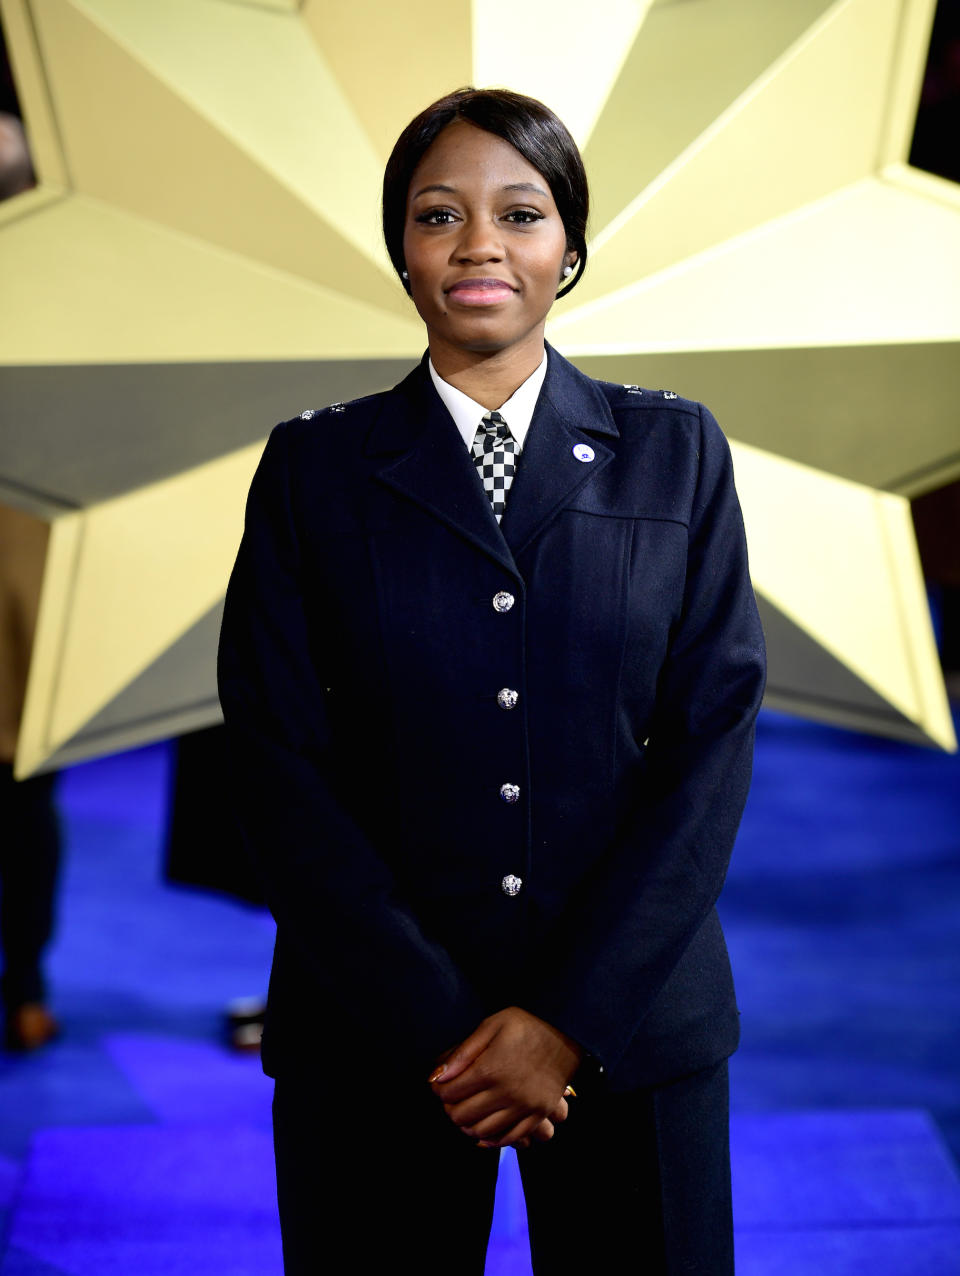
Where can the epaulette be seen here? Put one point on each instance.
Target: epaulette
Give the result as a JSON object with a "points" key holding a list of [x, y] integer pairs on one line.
{"points": [[333, 409], [655, 397], [308, 414]]}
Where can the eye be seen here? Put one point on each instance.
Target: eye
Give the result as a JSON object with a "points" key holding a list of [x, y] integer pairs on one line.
{"points": [[435, 217], [524, 216]]}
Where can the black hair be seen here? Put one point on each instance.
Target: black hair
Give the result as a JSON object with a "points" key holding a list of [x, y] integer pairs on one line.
{"points": [[530, 127]]}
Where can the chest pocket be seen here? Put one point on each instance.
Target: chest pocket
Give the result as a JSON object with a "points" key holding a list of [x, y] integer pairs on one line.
{"points": [[627, 505]]}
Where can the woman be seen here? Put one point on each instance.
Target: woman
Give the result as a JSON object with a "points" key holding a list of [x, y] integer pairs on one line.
{"points": [[493, 739]]}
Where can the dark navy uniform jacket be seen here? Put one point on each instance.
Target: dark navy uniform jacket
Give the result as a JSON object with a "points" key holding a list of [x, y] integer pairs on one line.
{"points": [[375, 612]]}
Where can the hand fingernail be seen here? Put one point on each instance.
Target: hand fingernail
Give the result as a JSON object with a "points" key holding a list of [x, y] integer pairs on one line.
{"points": [[482, 1144], [439, 1073]]}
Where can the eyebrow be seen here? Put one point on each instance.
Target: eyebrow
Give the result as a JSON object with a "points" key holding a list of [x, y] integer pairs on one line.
{"points": [[452, 190]]}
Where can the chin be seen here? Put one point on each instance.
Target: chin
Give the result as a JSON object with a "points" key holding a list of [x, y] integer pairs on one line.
{"points": [[487, 333], [486, 345], [478, 338]]}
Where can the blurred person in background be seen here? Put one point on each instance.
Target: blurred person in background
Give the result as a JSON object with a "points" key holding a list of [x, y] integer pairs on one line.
{"points": [[16, 169], [29, 831]]}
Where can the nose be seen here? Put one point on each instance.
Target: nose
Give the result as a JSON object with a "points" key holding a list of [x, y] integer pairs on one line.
{"points": [[478, 242]]}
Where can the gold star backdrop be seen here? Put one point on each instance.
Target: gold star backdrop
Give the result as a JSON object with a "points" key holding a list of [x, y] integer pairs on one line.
{"points": [[202, 257]]}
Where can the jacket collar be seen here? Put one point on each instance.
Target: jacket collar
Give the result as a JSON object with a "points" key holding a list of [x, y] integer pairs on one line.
{"points": [[571, 413], [436, 471]]}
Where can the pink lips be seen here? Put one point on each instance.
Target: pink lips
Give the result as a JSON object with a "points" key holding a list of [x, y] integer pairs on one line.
{"points": [[480, 292]]}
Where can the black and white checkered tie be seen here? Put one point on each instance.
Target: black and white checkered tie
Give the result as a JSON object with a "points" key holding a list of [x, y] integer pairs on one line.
{"points": [[495, 456]]}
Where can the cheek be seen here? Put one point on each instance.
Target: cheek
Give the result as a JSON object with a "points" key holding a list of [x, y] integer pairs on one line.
{"points": [[552, 263], [425, 291], [409, 258], [550, 273], [413, 256], [423, 265]]}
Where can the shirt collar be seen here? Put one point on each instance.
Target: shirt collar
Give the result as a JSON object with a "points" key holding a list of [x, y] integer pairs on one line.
{"points": [[467, 413]]}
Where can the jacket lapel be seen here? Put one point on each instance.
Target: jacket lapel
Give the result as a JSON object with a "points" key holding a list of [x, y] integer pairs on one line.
{"points": [[571, 411], [434, 468]]}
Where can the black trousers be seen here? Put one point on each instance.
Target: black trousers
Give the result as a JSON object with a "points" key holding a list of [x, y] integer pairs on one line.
{"points": [[29, 861], [631, 1183]]}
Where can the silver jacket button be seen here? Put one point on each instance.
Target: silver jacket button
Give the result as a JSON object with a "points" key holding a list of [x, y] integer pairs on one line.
{"points": [[510, 792], [511, 884], [507, 698], [503, 601]]}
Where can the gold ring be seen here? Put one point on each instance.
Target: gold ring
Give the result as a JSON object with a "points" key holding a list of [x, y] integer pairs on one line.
{"points": [[569, 1093]]}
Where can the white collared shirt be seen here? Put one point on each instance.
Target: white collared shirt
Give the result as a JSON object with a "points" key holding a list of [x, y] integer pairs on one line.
{"points": [[467, 413]]}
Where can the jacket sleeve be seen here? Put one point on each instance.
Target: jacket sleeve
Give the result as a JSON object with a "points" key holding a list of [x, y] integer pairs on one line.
{"points": [[661, 878], [333, 897]]}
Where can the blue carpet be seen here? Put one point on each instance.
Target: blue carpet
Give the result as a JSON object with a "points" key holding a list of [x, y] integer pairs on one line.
{"points": [[192, 1081], [873, 1192], [831, 1169], [893, 1251], [137, 1144], [148, 1200], [199, 1198], [842, 914]]}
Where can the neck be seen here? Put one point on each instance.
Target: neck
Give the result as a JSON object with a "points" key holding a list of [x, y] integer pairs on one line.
{"points": [[488, 377]]}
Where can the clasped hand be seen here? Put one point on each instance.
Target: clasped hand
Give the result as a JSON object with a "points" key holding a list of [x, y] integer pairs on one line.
{"points": [[504, 1084]]}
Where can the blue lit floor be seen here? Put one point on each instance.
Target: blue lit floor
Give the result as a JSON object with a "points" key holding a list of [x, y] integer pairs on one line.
{"points": [[138, 1146]]}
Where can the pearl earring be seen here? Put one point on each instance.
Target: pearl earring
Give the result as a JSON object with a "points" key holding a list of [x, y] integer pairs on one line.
{"points": [[404, 275], [567, 272]]}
